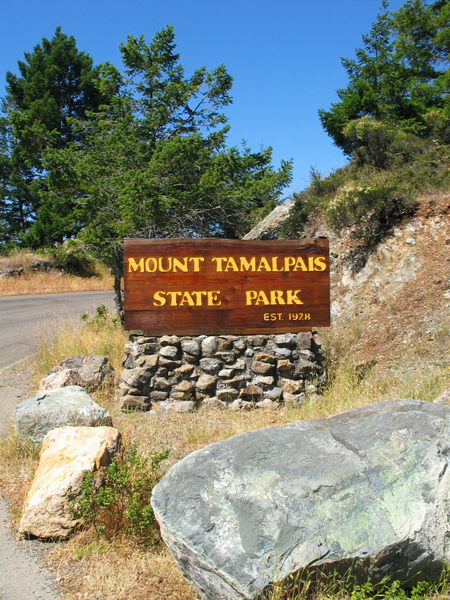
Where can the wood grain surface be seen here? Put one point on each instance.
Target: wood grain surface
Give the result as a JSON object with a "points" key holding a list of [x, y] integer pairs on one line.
{"points": [[219, 287]]}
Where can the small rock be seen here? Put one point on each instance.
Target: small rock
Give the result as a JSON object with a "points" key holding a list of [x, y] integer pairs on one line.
{"points": [[411, 241], [286, 340], [189, 358], [304, 340], [209, 345], [210, 365], [179, 407], [170, 352], [237, 382], [169, 340], [206, 382], [226, 357], [249, 352], [160, 383], [285, 366], [136, 378], [72, 405], [239, 365], [239, 345], [191, 347], [227, 394], [223, 344], [264, 382], [261, 367], [266, 358], [274, 394], [294, 399], [290, 386], [267, 403], [169, 364], [214, 404], [135, 403], [184, 371], [251, 392], [147, 362], [158, 396], [226, 373], [241, 405], [150, 348], [444, 398], [282, 353]]}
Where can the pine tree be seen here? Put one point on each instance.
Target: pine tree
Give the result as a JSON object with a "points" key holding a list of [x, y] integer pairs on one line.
{"points": [[56, 83]]}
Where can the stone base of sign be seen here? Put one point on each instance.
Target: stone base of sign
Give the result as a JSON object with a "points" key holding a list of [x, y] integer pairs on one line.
{"points": [[239, 372]]}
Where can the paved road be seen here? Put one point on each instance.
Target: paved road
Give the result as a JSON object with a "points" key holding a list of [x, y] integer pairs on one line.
{"points": [[24, 318]]}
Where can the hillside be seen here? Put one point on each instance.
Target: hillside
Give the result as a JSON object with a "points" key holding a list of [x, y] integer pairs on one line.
{"points": [[390, 305]]}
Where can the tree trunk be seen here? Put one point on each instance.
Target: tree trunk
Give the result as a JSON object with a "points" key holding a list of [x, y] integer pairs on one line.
{"points": [[118, 293]]}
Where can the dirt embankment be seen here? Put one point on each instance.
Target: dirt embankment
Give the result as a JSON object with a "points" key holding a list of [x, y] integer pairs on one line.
{"points": [[391, 304]]}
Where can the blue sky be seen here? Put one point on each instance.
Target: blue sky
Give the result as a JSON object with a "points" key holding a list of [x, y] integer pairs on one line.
{"points": [[283, 55]]}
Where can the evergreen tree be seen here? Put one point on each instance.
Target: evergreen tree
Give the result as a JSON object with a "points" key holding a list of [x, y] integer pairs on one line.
{"points": [[56, 83], [155, 162], [397, 78]]}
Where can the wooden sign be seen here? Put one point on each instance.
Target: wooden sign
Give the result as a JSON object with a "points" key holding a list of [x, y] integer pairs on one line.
{"points": [[217, 287]]}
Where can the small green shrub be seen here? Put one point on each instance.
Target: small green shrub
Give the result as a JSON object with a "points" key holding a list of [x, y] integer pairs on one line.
{"points": [[116, 499], [74, 258]]}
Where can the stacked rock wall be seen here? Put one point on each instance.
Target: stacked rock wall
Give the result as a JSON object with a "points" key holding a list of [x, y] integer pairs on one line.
{"points": [[241, 372]]}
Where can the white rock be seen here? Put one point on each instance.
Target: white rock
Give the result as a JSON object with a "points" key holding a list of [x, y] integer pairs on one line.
{"points": [[66, 454]]}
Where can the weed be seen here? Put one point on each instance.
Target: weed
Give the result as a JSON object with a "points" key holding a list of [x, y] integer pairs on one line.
{"points": [[117, 498]]}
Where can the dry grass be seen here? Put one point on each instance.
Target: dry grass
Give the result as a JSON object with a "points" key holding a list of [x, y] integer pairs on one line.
{"points": [[92, 567], [53, 283], [18, 462], [103, 336]]}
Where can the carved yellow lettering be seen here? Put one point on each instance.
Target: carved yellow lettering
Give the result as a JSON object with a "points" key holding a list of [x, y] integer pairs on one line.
{"points": [[263, 264], [154, 265], [196, 260], [276, 297], [187, 299], [198, 297], [300, 264], [231, 265], [310, 263], [220, 260], [213, 299], [177, 264], [173, 297], [266, 316], [292, 297], [160, 265], [275, 265], [158, 299], [134, 266], [320, 263], [249, 296], [247, 265], [289, 261], [262, 298]]}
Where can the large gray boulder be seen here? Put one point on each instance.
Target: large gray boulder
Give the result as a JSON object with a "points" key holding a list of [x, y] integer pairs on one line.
{"points": [[368, 487], [68, 406]]}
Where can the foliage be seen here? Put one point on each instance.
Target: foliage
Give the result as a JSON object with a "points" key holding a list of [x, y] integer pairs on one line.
{"points": [[74, 258], [100, 320], [373, 210], [153, 162], [117, 498], [321, 582], [56, 83], [399, 81]]}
